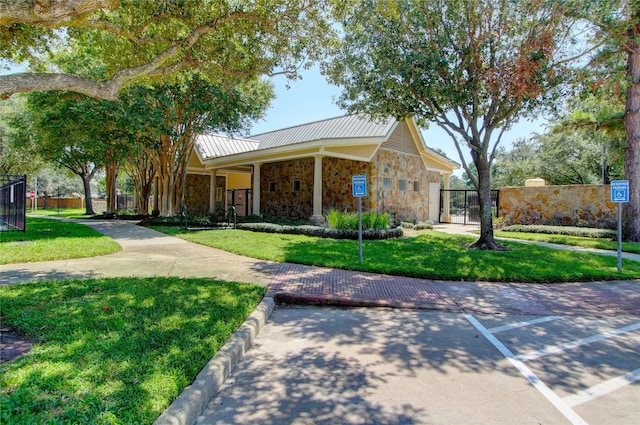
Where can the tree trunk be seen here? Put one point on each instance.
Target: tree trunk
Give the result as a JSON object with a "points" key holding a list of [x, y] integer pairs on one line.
{"points": [[111, 176], [86, 181], [487, 240], [631, 210]]}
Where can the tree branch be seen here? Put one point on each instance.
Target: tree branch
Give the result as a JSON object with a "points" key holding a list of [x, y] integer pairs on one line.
{"points": [[51, 13]]}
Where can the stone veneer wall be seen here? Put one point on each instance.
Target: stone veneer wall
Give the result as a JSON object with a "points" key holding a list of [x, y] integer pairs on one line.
{"points": [[336, 183], [585, 205], [407, 204], [196, 196], [284, 201]]}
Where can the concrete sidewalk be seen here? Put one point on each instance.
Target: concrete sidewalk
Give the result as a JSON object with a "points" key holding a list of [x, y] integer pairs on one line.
{"points": [[145, 252]]}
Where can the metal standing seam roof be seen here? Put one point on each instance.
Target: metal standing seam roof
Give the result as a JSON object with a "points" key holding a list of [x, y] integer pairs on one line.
{"points": [[211, 146], [345, 127]]}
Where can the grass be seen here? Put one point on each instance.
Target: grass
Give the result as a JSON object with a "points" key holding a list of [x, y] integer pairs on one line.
{"points": [[431, 255], [113, 351], [62, 212], [48, 239], [584, 242]]}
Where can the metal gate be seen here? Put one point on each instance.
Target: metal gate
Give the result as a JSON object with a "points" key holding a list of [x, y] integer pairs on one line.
{"points": [[13, 201], [462, 206]]}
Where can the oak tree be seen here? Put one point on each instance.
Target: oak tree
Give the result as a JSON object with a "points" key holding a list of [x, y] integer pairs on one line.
{"points": [[141, 39], [472, 67]]}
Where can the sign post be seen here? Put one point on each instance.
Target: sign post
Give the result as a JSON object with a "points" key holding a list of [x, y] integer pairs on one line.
{"points": [[620, 194], [359, 189]]}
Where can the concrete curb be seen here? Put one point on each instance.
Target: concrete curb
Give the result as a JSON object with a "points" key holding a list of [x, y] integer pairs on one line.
{"points": [[194, 399]]}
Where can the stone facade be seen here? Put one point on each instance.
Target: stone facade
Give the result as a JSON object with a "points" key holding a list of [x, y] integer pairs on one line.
{"points": [[585, 205], [400, 185], [295, 200], [336, 183], [196, 196], [286, 188]]}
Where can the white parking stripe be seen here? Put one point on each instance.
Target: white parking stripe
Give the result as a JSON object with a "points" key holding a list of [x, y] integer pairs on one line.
{"points": [[553, 398], [602, 388], [556, 349], [523, 324]]}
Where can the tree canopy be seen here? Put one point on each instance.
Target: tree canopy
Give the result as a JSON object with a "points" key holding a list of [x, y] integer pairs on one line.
{"points": [[225, 40], [472, 67]]}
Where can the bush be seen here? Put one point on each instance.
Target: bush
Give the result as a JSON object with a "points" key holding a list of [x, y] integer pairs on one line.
{"points": [[585, 232], [343, 220], [322, 232], [422, 225]]}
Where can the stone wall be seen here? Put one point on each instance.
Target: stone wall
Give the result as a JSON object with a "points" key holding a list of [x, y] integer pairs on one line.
{"points": [[286, 200], [584, 205], [196, 196], [408, 204], [336, 183]]}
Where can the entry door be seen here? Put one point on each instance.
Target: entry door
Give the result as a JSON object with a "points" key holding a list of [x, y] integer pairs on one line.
{"points": [[434, 201]]}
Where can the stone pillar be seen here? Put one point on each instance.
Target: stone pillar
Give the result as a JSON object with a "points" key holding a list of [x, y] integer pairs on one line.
{"points": [[212, 192], [317, 218], [256, 189], [446, 213]]}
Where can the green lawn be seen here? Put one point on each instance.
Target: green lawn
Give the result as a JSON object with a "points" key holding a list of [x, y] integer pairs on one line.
{"points": [[607, 244], [113, 351], [62, 212], [431, 255], [49, 239]]}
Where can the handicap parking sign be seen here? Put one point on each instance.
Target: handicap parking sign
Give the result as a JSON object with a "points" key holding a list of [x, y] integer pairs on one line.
{"points": [[620, 191], [359, 186]]}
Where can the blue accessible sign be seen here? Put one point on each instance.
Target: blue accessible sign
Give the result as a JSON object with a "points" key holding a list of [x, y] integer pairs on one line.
{"points": [[359, 186], [620, 191]]}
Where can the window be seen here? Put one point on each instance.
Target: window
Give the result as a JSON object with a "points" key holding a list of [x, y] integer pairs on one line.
{"points": [[416, 186], [272, 186], [402, 185], [296, 185], [386, 183]]}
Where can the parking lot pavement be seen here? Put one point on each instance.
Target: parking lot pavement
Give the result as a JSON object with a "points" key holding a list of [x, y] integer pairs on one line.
{"points": [[389, 366], [587, 367]]}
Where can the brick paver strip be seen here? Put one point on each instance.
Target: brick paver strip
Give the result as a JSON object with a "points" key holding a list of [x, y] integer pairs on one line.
{"points": [[323, 285]]}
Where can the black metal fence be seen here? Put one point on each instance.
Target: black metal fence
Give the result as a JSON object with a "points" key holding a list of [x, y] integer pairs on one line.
{"points": [[13, 199], [462, 206]]}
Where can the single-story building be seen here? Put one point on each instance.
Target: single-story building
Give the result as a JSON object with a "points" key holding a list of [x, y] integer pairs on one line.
{"points": [[305, 171]]}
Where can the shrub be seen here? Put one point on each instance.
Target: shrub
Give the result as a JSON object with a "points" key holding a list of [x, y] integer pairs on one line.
{"points": [[562, 230], [344, 220], [422, 225], [322, 232]]}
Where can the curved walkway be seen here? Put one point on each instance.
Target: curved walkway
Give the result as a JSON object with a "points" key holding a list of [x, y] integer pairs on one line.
{"points": [[147, 252]]}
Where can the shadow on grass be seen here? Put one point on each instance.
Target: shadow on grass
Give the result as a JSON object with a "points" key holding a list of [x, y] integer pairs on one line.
{"points": [[114, 350]]}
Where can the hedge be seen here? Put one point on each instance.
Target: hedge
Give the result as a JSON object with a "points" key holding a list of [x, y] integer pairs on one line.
{"points": [[321, 232], [586, 232]]}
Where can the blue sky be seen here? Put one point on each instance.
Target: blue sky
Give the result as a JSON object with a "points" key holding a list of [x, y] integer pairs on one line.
{"points": [[313, 99]]}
